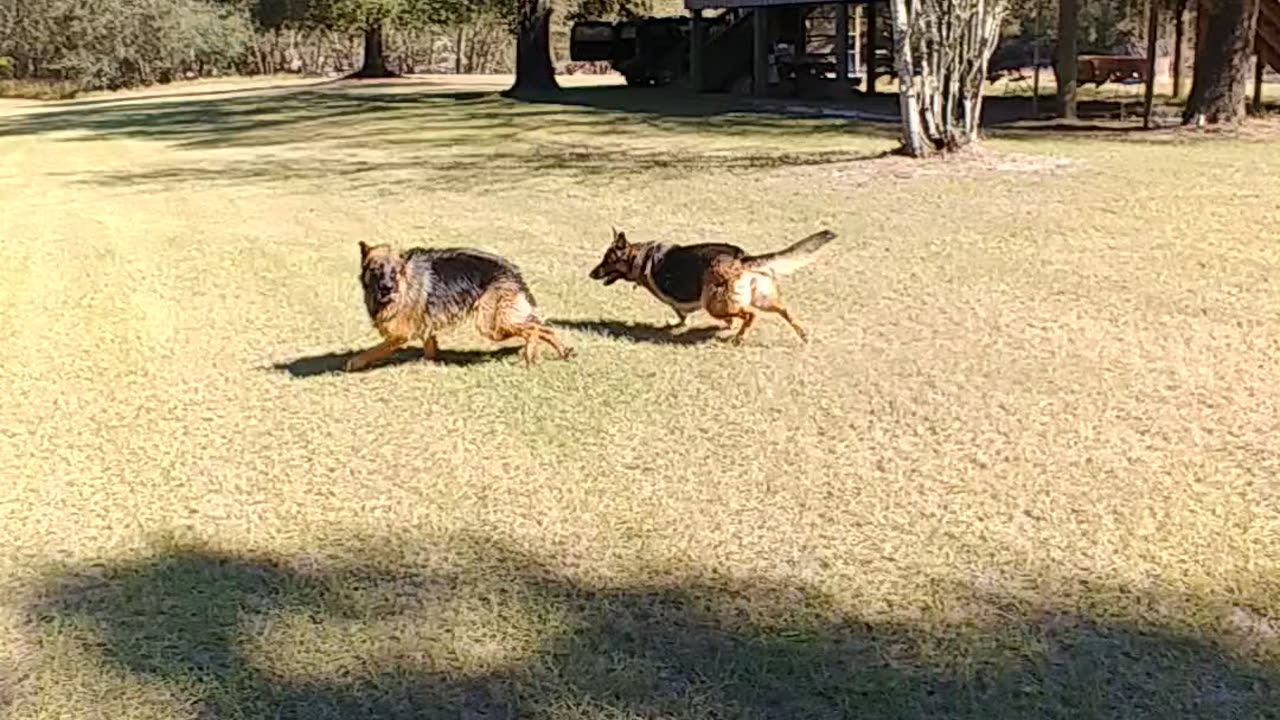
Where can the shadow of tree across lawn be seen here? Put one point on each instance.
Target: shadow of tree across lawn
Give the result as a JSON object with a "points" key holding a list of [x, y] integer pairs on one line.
{"points": [[426, 136], [461, 170], [422, 115], [191, 619]]}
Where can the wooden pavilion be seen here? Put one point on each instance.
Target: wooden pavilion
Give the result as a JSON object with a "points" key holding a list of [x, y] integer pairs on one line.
{"points": [[785, 46]]}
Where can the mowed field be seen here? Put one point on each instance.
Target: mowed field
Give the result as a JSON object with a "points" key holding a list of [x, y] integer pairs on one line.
{"points": [[1029, 467]]}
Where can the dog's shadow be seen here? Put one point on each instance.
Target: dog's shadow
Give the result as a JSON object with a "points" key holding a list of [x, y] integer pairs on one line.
{"points": [[313, 365], [643, 333]]}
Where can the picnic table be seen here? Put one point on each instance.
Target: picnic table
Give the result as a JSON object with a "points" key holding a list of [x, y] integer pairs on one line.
{"points": [[1099, 69]]}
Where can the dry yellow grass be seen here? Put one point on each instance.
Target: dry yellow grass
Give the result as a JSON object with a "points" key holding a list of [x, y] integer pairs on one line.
{"points": [[1028, 468]]}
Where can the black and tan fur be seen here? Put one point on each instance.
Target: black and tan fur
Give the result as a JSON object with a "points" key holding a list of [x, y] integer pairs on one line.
{"points": [[415, 294], [737, 288], [679, 275]]}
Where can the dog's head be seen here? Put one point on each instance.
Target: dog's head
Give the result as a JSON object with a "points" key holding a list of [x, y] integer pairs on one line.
{"points": [[381, 274], [619, 260]]}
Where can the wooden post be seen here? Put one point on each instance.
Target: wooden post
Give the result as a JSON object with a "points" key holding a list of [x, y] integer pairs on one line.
{"points": [[697, 34], [1153, 29], [1178, 41], [1035, 61], [869, 47], [857, 41], [842, 48], [759, 51]]}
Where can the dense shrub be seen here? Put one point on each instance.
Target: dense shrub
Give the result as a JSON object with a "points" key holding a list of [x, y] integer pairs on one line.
{"points": [[97, 44], [53, 48]]}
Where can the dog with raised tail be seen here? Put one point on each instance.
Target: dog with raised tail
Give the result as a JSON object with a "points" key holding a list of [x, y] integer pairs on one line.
{"points": [[717, 277]]}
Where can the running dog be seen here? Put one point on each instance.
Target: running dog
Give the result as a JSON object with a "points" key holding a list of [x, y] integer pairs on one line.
{"points": [[678, 274], [413, 295]]}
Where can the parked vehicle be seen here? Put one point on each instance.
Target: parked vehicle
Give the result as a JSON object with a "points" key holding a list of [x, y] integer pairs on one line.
{"points": [[647, 51]]}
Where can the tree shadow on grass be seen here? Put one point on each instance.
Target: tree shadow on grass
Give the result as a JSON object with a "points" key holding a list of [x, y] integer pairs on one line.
{"points": [[464, 170], [423, 114], [406, 113], [386, 630], [427, 136], [268, 117], [329, 363]]}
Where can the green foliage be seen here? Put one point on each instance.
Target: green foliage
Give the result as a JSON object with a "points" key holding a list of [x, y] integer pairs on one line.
{"points": [[611, 9], [116, 43], [352, 14], [38, 90], [272, 14], [1106, 26], [109, 44]]}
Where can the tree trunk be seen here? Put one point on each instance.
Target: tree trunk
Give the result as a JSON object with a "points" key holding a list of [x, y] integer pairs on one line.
{"points": [[912, 133], [1220, 81], [459, 54], [1068, 29], [949, 43], [534, 73], [1153, 31], [1179, 10], [374, 64]]}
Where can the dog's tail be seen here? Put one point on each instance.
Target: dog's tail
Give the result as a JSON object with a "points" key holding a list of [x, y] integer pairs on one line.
{"points": [[792, 258]]}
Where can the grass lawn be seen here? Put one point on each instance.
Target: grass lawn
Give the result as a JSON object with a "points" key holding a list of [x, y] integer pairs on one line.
{"points": [[1028, 468]]}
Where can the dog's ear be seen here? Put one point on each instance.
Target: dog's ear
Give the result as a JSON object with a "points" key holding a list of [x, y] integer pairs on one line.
{"points": [[364, 249], [619, 238]]}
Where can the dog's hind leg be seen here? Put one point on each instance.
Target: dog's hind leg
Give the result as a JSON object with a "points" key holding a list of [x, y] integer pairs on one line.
{"points": [[534, 333], [767, 297], [748, 318], [374, 354], [529, 333], [549, 338], [430, 347], [505, 315], [778, 309], [501, 331]]}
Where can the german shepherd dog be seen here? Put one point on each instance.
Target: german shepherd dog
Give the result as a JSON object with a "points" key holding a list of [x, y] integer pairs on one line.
{"points": [[417, 293], [681, 276]]}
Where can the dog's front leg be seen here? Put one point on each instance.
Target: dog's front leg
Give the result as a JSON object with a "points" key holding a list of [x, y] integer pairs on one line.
{"points": [[683, 322], [374, 354]]}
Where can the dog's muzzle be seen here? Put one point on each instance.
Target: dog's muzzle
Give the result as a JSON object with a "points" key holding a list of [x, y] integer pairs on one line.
{"points": [[608, 275]]}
